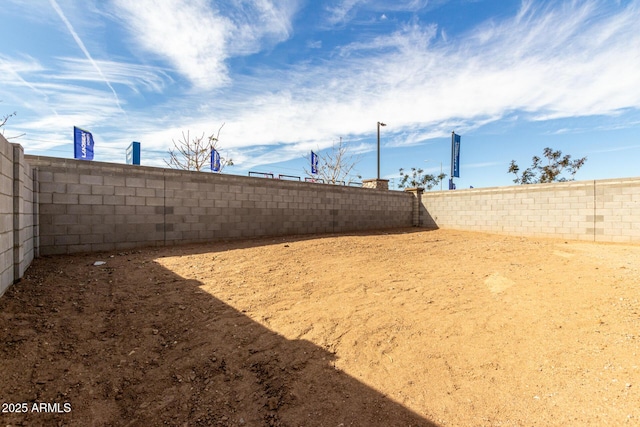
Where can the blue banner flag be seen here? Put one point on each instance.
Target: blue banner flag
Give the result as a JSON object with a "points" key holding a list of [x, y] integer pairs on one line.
{"points": [[314, 162], [133, 153], [82, 144], [215, 160], [455, 155]]}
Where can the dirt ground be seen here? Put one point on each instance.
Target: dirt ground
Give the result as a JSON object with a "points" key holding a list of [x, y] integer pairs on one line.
{"points": [[395, 328]]}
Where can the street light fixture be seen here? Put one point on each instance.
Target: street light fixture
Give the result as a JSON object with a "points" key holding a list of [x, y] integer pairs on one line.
{"points": [[379, 124]]}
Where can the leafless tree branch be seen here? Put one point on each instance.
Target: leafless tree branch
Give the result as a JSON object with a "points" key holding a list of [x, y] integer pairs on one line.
{"points": [[335, 165], [193, 153]]}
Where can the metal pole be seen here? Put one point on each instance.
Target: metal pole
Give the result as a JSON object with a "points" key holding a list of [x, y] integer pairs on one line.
{"points": [[379, 124], [441, 176], [378, 150], [452, 161]]}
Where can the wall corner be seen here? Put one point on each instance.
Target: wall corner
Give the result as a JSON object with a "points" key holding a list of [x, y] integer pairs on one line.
{"points": [[417, 197]]}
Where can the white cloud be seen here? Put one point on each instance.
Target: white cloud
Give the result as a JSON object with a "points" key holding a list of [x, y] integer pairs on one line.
{"points": [[11, 71], [341, 12], [259, 23], [548, 63], [561, 63], [82, 47], [135, 76], [481, 165], [613, 149], [569, 60], [411, 38], [198, 39], [564, 62], [190, 35]]}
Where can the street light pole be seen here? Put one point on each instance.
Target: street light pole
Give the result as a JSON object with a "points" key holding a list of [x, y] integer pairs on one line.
{"points": [[379, 124]]}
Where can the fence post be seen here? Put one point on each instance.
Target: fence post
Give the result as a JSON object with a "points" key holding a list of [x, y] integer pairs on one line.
{"points": [[417, 200], [379, 184]]}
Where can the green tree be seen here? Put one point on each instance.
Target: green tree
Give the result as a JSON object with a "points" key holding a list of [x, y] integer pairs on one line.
{"points": [[556, 165], [194, 153], [417, 178]]}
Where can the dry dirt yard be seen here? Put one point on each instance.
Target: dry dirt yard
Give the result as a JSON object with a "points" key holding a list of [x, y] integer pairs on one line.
{"points": [[395, 328]]}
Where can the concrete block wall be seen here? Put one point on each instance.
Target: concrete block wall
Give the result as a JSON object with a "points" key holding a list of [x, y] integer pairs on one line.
{"points": [[6, 215], [25, 214], [54, 206], [416, 216], [93, 206], [616, 215], [18, 214], [602, 210]]}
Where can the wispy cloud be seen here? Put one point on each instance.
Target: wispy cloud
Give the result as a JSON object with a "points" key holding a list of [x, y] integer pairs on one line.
{"points": [[191, 36], [481, 165], [135, 76], [82, 47], [58, 105], [545, 63], [11, 71], [567, 59], [258, 24], [197, 39], [613, 149], [342, 11], [411, 37]]}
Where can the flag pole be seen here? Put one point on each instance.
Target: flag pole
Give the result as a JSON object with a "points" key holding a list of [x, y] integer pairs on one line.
{"points": [[453, 133]]}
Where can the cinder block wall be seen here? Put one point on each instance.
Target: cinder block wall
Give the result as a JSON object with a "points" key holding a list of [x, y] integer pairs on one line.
{"points": [[25, 215], [18, 214], [6, 215], [93, 206], [603, 210]]}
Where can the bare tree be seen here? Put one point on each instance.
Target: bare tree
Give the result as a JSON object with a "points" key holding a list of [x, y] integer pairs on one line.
{"points": [[3, 121], [195, 153], [335, 165], [551, 172], [418, 178]]}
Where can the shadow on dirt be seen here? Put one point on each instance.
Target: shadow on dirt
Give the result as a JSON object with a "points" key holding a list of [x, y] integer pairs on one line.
{"points": [[130, 343]]}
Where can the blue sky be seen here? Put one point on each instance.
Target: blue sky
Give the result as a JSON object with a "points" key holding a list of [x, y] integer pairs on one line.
{"points": [[289, 76]]}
